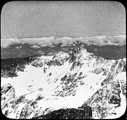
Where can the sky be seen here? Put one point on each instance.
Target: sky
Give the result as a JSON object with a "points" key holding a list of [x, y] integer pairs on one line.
{"points": [[60, 19]]}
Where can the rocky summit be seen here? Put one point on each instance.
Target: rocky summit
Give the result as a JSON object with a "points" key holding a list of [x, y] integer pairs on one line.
{"points": [[73, 84]]}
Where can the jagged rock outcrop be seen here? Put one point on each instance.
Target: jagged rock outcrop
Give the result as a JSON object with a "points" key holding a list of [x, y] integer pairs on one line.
{"points": [[84, 113], [7, 95], [49, 84]]}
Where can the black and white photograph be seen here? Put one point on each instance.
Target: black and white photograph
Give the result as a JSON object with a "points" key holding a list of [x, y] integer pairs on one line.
{"points": [[63, 60]]}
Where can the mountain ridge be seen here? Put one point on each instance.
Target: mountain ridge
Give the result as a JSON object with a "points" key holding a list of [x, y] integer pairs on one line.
{"points": [[75, 77]]}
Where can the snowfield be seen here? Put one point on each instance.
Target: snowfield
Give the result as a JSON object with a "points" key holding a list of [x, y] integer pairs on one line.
{"points": [[65, 81]]}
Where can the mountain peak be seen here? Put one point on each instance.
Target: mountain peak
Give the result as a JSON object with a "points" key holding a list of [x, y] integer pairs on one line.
{"points": [[75, 77]]}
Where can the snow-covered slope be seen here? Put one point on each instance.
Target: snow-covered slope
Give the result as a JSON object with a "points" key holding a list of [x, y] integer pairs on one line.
{"points": [[66, 80]]}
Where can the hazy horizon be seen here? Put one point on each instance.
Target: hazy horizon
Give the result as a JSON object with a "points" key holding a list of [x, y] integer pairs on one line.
{"points": [[60, 19]]}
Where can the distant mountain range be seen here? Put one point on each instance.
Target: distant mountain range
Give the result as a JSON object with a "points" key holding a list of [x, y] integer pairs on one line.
{"points": [[25, 50]]}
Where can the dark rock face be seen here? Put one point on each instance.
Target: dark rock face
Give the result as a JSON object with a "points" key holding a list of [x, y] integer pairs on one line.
{"points": [[104, 99], [124, 87], [26, 111], [9, 66], [84, 113], [7, 93]]}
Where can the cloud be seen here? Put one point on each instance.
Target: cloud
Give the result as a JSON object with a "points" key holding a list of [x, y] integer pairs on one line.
{"points": [[49, 41], [18, 47], [35, 46]]}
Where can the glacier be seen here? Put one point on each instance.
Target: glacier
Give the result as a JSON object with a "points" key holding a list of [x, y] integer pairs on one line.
{"points": [[66, 80]]}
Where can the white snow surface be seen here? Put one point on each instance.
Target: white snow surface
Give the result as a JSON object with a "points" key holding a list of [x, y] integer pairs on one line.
{"points": [[33, 81]]}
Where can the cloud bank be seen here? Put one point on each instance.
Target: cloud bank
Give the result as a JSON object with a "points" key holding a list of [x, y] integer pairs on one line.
{"points": [[64, 41]]}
